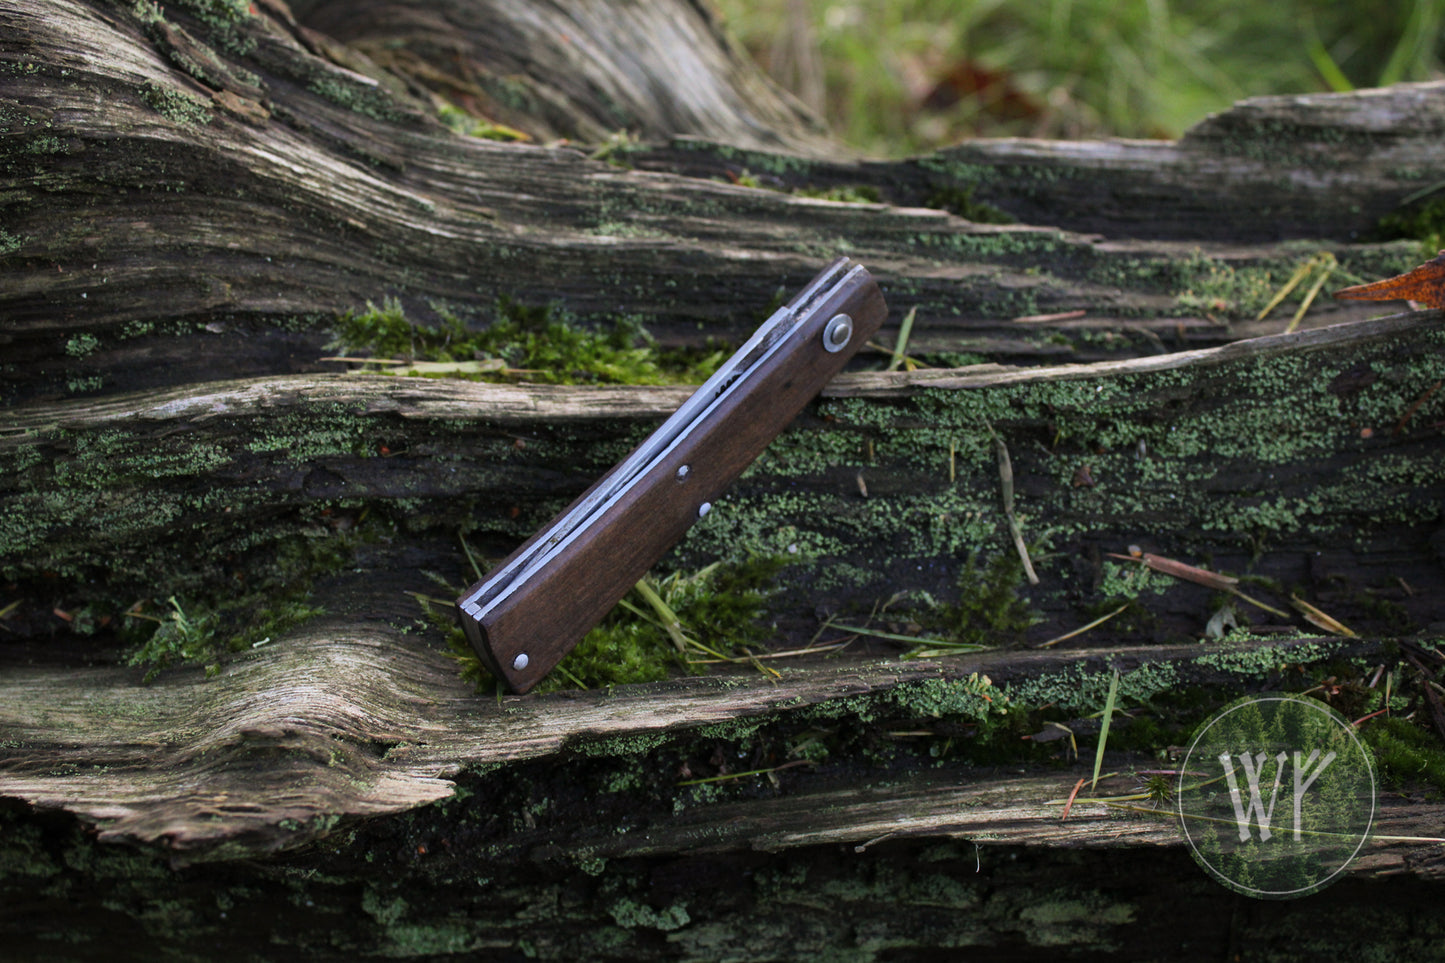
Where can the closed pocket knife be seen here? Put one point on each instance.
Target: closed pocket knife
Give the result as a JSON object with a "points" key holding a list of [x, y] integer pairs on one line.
{"points": [[534, 607]]}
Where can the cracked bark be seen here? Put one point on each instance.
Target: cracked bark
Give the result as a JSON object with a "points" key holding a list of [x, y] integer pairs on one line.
{"points": [[191, 195]]}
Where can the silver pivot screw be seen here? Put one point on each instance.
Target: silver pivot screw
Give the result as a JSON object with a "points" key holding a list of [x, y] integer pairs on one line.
{"points": [[837, 332], [520, 662]]}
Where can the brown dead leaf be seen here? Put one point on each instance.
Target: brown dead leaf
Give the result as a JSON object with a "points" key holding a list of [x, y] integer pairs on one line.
{"points": [[1425, 284]]}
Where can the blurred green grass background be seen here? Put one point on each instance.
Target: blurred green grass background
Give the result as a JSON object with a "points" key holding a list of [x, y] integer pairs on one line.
{"points": [[895, 77]]}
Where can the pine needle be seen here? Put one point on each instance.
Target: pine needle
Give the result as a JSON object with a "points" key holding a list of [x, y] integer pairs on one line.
{"points": [[476, 566], [1084, 628], [1070, 804]]}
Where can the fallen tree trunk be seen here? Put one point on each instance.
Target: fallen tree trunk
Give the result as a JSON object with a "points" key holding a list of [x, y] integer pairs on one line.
{"points": [[167, 225], [1259, 455], [344, 720], [192, 197]]}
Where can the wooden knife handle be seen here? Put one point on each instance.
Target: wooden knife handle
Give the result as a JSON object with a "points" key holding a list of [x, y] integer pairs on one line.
{"points": [[522, 635]]}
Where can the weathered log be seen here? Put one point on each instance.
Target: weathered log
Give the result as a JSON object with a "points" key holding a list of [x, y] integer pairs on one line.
{"points": [[166, 225], [552, 69], [192, 194], [1257, 455], [1198, 486], [341, 721], [1270, 168]]}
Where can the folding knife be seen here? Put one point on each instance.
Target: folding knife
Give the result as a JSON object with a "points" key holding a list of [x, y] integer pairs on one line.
{"points": [[534, 607]]}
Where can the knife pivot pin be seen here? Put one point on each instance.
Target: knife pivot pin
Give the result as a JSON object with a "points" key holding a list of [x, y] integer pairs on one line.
{"points": [[682, 471], [703, 509], [837, 333], [520, 662]]}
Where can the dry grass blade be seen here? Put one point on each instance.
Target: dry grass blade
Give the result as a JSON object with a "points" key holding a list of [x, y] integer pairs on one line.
{"points": [[1425, 284], [1049, 318], [1317, 618], [943, 644], [476, 566], [1006, 485], [756, 656], [1190, 573], [666, 617], [1300, 273], [1005, 473], [1328, 262], [400, 366], [1199, 576], [1083, 628], [744, 775]]}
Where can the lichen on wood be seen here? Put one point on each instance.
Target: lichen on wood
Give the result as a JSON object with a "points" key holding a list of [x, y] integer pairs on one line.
{"points": [[197, 193]]}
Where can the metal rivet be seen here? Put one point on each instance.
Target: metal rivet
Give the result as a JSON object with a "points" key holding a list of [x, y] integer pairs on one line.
{"points": [[703, 509], [520, 662], [682, 471], [837, 333]]}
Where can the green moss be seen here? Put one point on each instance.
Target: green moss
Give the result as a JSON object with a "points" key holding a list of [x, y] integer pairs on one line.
{"points": [[973, 697], [442, 938], [1212, 286], [203, 635], [989, 610], [1133, 581], [83, 344], [777, 165], [541, 344], [323, 430], [1423, 221], [1078, 691], [83, 385], [178, 637], [225, 20], [470, 126], [958, 199], [1257, 662], [176, 105], [631, 745], [1405, 753], [718, 610], [630, 914], [372, 100]]}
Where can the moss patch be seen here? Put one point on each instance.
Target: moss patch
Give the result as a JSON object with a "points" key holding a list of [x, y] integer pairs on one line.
{"points": [[1423, 221], [1405, 753], [683, 619], [989, 610], [204, 635], [540, 344]]}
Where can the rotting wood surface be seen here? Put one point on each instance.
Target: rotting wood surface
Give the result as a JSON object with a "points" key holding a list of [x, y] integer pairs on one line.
{"points": [[287, 701], [192, 194], [341, 720], [221, 236]]}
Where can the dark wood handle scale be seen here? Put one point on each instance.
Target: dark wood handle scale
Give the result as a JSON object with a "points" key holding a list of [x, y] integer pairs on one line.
{"points": [[537, 604]]}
